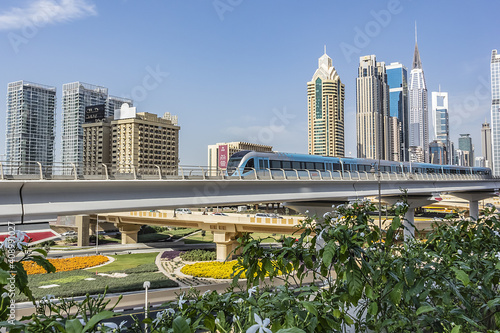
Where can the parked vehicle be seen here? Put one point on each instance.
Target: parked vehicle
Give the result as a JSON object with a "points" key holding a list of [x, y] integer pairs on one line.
{"points": [[69, 233], [261, 215], [183, 211], [219, 214]]}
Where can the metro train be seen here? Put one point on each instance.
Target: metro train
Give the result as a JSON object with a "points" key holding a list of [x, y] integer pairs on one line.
{"points": [[245, 162]]}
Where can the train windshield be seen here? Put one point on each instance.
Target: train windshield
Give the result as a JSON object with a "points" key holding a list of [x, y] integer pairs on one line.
{"points": [[234, 161]]}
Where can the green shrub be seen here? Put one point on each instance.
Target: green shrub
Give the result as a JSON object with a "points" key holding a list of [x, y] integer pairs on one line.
{"points": [[146, 229], [70, 240], [145, 268], [199, 255]]}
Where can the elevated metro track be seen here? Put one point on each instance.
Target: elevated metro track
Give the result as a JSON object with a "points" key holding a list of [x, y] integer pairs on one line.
{"points": [[32, 201]]}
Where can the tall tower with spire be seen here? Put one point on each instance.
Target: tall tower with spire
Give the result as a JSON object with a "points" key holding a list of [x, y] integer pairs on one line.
{"points": [[325, 103], [419, 110]]}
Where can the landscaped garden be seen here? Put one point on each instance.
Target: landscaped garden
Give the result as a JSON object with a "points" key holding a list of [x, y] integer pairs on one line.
{"points": [[364, 279]]}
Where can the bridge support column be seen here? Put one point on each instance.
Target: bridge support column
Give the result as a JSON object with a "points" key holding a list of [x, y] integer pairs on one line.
{"points": [[129, 232], [474, 209], [473, 198], [82, 223], [226, 242], [409, 224]]}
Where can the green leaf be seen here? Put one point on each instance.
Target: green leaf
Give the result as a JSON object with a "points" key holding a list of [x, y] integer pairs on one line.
{"points": [[462, 276], [44, 263], [180, 325], [456, 329], [336, 313], [328, 253], [396, 222], [310, 308], [343, 248], [291, 330], [369, 291], [41, 251], [497, 266], [97, 318], [73, 326], [493, 302], [4, 275], [396, 293], [424, 309], [373, 308]]}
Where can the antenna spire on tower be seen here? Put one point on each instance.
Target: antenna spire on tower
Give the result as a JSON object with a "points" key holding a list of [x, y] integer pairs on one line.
{"points": [[415, 32], [325, 48]]}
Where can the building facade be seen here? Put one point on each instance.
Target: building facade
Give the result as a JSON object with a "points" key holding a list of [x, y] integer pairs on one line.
{"points": [[397, 79], [440, 121], [219, 154], [76, 97], [131, 142], [467, 149], [418, 126], [486, 143], [376, 130], [325, 103], [495, 111], [30, 128], [438, 153]]}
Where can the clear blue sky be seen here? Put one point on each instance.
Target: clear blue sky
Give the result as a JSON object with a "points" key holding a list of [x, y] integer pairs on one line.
{"points": [[236, 70]]}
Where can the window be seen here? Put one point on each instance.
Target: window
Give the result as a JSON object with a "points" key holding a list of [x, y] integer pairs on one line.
{"points": [[286, 165], [275, 164], [309, 165], [296, 165]]}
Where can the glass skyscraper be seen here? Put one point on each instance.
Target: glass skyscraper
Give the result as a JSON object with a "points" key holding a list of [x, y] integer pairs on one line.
{"points": [[495, 111], [397, 79], [76, 97], [440, 120], [30, 128]]}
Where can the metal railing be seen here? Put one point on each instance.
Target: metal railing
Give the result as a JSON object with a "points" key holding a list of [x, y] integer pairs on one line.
{"points": [[71, 171]]}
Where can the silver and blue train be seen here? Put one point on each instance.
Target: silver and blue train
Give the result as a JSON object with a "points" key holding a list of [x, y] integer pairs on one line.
{"points": [[248, 162]]}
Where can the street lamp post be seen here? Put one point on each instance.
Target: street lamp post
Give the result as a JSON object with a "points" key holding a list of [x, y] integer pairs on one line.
{"points": [[97, 235], [146, 285]]}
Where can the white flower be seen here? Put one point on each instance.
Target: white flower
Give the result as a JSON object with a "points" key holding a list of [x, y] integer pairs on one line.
{"points": [[307, 211], [362, 234], [236, 318], [217, 321], [239, 300], [161, 315], [327, 214], [497, 255], [496, 233], [5, 294], [459, 252], [181, 301], [479, 287], [396, 237], [260, 326], [251, 291], [205, 293]]}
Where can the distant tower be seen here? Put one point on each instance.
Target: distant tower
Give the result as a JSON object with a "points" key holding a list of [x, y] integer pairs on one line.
{"points": [[376, 131], [397, 78], [31, 109], [440, 121], [495, 112], [465, 145], [325, 99], [486, 143], [419, 128]]}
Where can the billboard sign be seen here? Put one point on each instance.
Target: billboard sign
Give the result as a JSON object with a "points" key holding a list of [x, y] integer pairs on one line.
{"points": [[94, 112], [223, 152]]}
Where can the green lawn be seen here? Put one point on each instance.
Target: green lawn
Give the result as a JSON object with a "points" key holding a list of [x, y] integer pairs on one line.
{"points": [[126, 261]]}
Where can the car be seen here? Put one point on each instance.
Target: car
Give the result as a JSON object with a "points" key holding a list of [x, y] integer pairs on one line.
{"points": [[183, 211], [69, 233], [275, 216], [261, 215], [219, 214]]}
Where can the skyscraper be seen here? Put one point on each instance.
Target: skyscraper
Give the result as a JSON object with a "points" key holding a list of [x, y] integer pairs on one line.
{"points": [[325, 103], [465, 145], [376, 131], [440, 120], [30, 128], [397, 79], [495, 111], [486, 143], [419, 128], [76, 97]]}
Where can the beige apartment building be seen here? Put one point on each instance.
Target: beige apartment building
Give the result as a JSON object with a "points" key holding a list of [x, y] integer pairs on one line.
{"points": [[215, 152], [325, 104], [132, 142]]}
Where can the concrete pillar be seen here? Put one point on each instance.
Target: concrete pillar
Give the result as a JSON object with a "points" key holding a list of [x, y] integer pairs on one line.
{"points": [[226, 242], [409, 224], [129, 232], [82, 223], [473, 209]]}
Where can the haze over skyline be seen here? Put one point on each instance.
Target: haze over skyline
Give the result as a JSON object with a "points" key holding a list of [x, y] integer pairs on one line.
{"points": [[238, 70]]}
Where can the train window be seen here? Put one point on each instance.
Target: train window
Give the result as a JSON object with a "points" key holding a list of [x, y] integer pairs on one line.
{"points": [[263, 164], [319, 166], [275, 164], [249, 166], [309, 165], [286, 165], [296, 165], [336, 166]]}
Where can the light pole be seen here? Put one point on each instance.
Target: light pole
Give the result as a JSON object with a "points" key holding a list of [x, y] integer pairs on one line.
{"points": [[146, 285], [97, 234]]}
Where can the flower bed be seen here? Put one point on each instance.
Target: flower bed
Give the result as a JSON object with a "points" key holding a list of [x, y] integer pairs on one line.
{"points": [[169, 255], [211, 269], [65, 264]]}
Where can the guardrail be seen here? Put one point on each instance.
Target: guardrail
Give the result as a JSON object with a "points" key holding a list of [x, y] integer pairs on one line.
{"points": [[71, 171]]}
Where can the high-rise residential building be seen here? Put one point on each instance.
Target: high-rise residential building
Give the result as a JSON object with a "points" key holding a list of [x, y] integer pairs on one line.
{"points": [[440, 120], [30, 129], [479, 162], [377, 132], [419, 128], [438, 153], [486, 143], [325, 103], [132, 142], [465, 145], [495, 111], [397, 79], [219, 154], [76, 97]]}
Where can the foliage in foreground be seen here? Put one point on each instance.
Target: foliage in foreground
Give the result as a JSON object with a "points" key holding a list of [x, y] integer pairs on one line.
{"points": [[447, 283]]}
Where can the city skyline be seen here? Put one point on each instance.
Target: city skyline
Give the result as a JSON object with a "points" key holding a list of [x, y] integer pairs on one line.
{"points": [[242, 94]]}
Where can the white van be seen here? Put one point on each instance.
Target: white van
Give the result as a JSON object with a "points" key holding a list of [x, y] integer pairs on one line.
{"points": [[183, 211]]}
